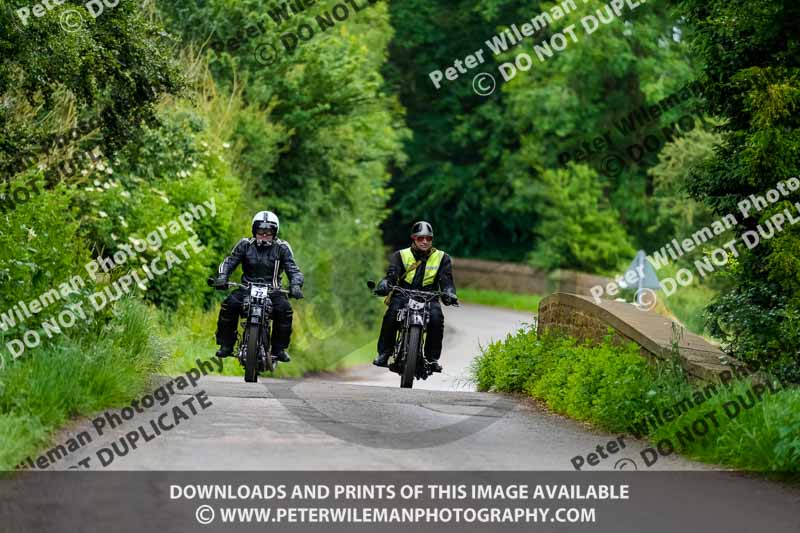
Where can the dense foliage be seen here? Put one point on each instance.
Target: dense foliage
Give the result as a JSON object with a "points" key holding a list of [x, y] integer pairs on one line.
{"points": [[479, 165], [751, 77]]}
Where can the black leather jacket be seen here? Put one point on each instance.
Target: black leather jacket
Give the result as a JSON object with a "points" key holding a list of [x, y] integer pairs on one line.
{"points": [[443, 280], [262, 262]]}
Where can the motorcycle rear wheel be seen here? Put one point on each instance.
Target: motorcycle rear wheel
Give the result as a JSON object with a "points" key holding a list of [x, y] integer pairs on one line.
{"points": [[412, 354]]}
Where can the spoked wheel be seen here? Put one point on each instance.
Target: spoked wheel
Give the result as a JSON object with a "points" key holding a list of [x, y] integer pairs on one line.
{"points": [[412, 353], [251, 355]]}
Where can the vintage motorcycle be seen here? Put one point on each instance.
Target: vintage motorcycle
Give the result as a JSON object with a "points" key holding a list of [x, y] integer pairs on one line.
{"points": [[254, 350], [408, 358]]}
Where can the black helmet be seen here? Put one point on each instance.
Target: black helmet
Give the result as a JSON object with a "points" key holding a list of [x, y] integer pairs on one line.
{"points": [[265, 220], [421, 228]]}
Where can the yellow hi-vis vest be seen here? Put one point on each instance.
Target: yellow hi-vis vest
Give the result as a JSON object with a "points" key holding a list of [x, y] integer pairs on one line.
{"points": [[431, 266]]}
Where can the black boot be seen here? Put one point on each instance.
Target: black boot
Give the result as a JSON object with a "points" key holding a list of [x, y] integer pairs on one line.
{"points": [[282, 356], [225, 351], [435, 366], [382, 360]]}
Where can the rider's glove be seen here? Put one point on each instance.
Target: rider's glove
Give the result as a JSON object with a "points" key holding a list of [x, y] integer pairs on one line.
{"points": [[221, 283], [449, 298], [295, 292], [383, 288]]}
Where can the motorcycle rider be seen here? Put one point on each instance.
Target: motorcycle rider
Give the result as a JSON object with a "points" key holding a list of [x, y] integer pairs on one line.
{"points": [[263, 257], [419, 267]]}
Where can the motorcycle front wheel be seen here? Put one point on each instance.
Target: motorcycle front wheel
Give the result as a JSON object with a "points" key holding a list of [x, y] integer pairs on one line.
{"points": [[412, 354], [269, 362], [251, 356]]}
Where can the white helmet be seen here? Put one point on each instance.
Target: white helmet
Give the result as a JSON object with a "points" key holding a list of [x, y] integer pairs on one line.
{"points": [[265, 220]]}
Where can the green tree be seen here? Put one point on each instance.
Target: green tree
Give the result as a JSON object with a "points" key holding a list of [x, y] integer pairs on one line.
{"points": [[587, 90], [676, 212], [578, 228], [477, 163], [751, 77], [109, 71], [453, 179]]}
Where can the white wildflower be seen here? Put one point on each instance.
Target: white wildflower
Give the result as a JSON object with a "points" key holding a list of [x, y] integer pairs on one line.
{"points": [[102, 214]]}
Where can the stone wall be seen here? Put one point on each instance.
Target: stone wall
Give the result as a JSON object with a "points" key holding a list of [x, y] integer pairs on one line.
{"points": [[520, 278], [582, 318]]}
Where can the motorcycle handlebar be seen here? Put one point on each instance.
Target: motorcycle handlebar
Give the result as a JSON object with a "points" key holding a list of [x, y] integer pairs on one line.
{"points": [[246, 285], [426, 294]]}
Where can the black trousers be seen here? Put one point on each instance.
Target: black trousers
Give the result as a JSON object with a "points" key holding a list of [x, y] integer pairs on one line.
{"points": [[227, 324], [433, 337]]}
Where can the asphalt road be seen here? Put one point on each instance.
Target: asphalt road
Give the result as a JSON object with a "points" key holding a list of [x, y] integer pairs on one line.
{"points": [[360, 420], [467, 329]]}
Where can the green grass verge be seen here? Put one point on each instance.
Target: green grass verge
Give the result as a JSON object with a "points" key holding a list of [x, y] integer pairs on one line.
{"points": [[614, 387], [509, 300], [74, 376]]}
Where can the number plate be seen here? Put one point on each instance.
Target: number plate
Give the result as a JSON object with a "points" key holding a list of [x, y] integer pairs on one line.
{"points": [[258, 292], [415, 305]]}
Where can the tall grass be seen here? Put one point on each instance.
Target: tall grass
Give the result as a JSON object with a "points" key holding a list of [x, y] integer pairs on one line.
{"points": [[75, 376]]}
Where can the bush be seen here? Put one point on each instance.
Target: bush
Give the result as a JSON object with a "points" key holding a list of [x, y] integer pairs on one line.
{"points": [[614, 387]]}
